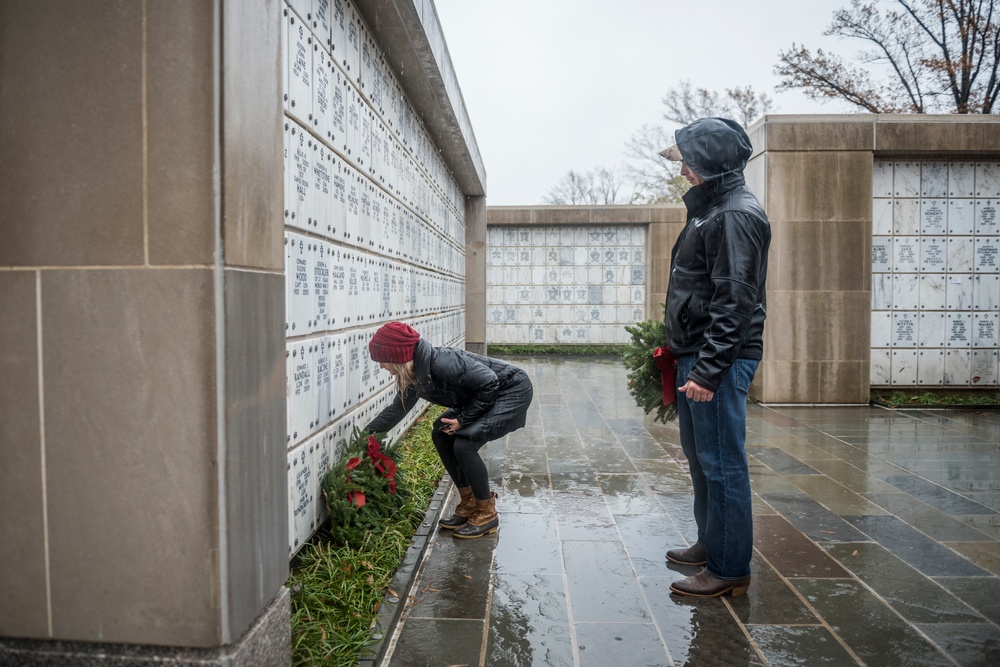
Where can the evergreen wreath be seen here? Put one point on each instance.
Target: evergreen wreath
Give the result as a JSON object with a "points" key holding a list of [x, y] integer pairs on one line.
{"points": [[362, 490], [641, 357]]}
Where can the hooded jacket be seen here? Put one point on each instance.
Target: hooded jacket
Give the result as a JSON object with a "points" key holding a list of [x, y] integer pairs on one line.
{"points": [[489, 397], [715, 305]]}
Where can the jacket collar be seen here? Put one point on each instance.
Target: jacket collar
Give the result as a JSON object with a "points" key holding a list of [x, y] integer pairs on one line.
{"points": [[700, 197], [422, 353]]}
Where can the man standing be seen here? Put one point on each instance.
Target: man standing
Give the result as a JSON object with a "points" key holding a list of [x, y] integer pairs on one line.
{"points": [[715, 324]]}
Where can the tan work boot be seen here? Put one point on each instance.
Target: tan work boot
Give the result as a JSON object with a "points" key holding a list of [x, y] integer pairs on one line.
{"points": [[462, 510], [482, 521]]}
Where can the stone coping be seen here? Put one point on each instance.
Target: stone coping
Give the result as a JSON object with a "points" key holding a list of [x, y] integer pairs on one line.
{"points": [[395, 598]]}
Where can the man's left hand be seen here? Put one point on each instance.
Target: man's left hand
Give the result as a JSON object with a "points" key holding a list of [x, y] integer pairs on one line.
{"points": [[695, 392], [450, 425]]}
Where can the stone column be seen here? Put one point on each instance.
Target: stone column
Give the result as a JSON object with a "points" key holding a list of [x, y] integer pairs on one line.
{"points": [[665, 226], [475, 274], [143, 494], [814, 178]]}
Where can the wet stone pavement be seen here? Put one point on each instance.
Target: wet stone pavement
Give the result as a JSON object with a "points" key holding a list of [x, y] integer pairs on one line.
{"points": [[877, 541]]}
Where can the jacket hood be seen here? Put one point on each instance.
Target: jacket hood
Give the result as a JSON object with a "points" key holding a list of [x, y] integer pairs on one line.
{"points": [[714, 147]]}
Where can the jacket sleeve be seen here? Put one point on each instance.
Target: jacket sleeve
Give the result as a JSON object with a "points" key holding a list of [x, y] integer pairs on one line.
{"points": [[394, 412], [479, 384], [735, 245]]}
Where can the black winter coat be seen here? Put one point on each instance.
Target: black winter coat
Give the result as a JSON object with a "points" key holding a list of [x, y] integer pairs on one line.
{"points": [[716, 301], [489, 397]]}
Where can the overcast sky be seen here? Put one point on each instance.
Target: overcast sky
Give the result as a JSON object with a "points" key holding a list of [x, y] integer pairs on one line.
{"points": [[555, 85]]}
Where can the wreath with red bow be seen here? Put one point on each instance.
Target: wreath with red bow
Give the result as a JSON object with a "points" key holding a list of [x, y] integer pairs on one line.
{"points": [[651, 369], [361, 490]]}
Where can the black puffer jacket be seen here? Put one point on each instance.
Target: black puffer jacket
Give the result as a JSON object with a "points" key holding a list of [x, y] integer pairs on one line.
{"points": [[718, 267], [489, 397]]}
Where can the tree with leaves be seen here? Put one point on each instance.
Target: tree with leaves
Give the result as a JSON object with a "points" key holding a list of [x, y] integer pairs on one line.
{"points": [[936, 56]]}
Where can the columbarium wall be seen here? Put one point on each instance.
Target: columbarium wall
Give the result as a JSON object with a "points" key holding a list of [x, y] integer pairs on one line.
{"points": [[936, 275], [205, 210], [142, 499], [374, 231], [575, 275], [883, 267]]}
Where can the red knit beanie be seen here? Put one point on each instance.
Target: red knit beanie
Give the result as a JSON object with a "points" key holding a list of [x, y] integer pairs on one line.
{"points": [[393, 343]]}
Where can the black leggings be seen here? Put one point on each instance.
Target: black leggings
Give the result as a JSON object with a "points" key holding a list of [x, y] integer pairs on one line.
{"points": [[462, 461]]}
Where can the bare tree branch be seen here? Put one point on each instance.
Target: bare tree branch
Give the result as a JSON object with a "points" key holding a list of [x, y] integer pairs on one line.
{"points": [[600, 186], [823, 76], [651, 178], [685, 104], [933, 55]]}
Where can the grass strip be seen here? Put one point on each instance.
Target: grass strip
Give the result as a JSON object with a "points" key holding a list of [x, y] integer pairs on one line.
{"points": [[336, 590], [950, 398]]}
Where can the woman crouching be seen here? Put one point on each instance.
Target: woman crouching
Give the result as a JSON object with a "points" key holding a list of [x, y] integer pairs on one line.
{"points": [[486, 399]]}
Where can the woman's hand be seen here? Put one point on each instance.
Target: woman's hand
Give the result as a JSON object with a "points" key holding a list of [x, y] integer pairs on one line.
{"points": [[450, 425]]}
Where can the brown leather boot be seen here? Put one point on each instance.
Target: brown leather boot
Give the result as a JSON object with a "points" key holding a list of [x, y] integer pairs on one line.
{"points": [[482, 521], [462, 510], [693, 555], [704, 585]]}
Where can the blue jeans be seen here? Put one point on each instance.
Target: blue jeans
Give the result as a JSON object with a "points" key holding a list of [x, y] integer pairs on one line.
{"points": [[713, 437]]}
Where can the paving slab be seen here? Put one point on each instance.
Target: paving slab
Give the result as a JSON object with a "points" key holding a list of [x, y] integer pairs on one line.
{"points": [[877, 541]]}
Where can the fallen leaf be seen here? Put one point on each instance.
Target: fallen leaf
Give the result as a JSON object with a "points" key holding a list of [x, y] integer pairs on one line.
{"points": [[855, 553], [468, 576], [392, 592]]}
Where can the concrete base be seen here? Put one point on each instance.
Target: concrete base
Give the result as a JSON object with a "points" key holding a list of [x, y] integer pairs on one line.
{"points": [[400, 589], [267, 643]]}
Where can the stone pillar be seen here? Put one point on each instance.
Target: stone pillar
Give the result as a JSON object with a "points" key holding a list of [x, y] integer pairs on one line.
{"points": [[475, 274], [815, 181], [665, 225], [143, 495]]}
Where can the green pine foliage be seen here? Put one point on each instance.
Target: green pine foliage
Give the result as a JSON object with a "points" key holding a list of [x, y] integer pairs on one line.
{"points": [[337, 589], [343, 486], [644, 378]]}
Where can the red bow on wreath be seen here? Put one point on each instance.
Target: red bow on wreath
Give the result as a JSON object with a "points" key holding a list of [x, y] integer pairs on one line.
{"points": [[665, 362], [382, 463]]}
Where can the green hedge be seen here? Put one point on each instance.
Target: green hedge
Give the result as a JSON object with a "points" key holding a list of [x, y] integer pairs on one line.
{"points": [[529, 350]]}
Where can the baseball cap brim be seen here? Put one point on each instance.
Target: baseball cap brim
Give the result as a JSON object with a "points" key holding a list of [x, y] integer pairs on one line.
{"points": [[673, 154]]}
